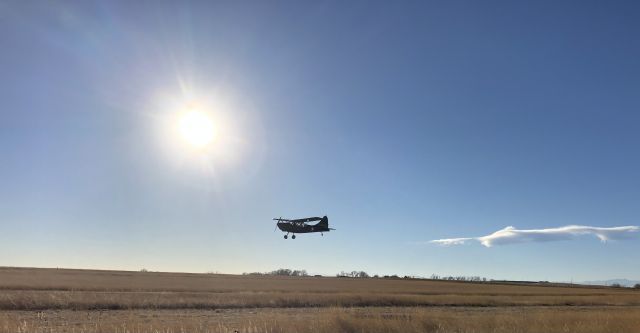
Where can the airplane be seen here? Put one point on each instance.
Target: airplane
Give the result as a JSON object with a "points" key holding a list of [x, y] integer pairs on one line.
{"points": [[300, 226]]}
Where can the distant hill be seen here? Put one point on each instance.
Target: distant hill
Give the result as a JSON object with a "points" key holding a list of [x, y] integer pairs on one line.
{"points": [[622, 282]]}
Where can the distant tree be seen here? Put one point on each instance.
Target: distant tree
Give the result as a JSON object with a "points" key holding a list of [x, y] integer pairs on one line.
{"points": [[353, 274], [616, 285], [637, 286], [299, 273], [363, 274], [144, 270], [281, 272], [454, 278]]}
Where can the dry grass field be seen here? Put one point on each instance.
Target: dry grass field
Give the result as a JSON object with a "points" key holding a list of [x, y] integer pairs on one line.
{"points": [[51, 300]]}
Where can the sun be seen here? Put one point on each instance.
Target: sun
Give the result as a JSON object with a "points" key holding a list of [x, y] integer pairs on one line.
{"points": [[196, 128]]}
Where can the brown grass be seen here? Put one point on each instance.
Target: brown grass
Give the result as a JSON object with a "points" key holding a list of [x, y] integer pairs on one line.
{"points": [[50, 300], [94, 280], [406, 320], [90, 300], [42, 289]]}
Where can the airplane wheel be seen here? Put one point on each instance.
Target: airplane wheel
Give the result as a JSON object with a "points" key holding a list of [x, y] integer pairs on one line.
{"points": [[293, 236], [285, 236]]}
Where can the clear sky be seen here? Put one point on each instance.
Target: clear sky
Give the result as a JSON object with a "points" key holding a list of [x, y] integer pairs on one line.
{"points": [[402, 121]]}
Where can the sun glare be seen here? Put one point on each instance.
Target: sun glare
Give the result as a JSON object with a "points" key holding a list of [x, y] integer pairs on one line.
{"points": [[199, 130], [196, 128]]}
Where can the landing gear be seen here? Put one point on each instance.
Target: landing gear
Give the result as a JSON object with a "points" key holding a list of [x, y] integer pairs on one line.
{"points": [[293, 236], [286, 236]]}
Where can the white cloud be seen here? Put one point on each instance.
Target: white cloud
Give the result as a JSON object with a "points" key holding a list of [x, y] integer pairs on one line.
{"points": [[511, 235]]}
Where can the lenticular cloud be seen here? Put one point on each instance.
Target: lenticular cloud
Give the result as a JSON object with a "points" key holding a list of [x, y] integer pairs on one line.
{"points": [[511, 235]]}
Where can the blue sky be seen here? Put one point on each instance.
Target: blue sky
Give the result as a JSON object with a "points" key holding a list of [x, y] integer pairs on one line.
{"points": [[403, 122]]}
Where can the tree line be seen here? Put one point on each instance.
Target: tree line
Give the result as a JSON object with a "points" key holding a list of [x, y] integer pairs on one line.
{"points": [[364, 275], [281, 272]]}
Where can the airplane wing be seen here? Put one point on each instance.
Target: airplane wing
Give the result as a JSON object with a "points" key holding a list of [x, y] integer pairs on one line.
{"points": [[282, 220], [308, 219]]}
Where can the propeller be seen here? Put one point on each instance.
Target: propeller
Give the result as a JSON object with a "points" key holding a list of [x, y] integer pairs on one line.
{"points": [[276, 227]]}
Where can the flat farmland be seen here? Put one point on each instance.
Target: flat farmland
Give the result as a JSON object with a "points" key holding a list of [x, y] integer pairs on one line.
{"points": [[64, 300]]}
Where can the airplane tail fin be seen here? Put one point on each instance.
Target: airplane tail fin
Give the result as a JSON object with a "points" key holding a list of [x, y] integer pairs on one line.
{"points": [[324, 222]]}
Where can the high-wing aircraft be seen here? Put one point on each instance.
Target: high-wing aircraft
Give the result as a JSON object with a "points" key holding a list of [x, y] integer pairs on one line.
{"points": [[301, 226]]}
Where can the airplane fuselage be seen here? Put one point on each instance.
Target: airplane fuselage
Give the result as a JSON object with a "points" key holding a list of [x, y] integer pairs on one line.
{"points": [[301, 229]]}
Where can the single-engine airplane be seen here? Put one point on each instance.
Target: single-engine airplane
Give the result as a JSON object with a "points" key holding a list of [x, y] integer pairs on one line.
{"points": [[300, 226]]}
